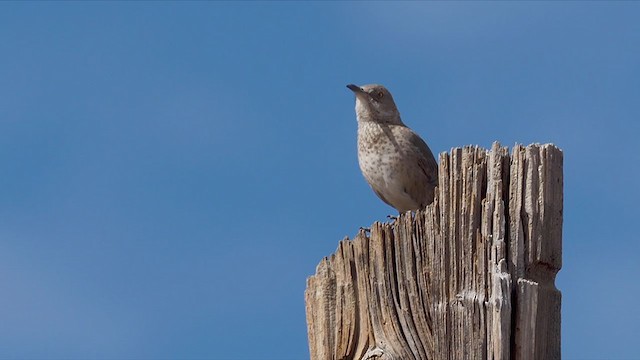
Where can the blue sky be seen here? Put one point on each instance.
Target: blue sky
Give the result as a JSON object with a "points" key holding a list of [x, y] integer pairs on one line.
{"points": [[172, 172]]}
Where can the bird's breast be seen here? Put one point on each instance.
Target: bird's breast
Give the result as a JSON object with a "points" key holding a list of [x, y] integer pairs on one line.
{"points": [[377, 150]]}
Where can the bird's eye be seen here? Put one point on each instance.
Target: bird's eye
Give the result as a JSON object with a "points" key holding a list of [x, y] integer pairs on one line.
{"points": [[380, 94]]}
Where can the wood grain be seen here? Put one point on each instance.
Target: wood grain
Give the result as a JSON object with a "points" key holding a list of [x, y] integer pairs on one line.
{"points": [[469, 277]]}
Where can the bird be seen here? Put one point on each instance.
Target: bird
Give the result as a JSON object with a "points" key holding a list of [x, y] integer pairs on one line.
{"points": [[395, 161]]}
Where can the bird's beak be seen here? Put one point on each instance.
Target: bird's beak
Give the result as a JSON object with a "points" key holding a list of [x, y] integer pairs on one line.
{"points": [[355, 88]]}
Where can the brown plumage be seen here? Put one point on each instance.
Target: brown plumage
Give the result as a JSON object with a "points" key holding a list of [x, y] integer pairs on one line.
{"points": [[395, 161]]}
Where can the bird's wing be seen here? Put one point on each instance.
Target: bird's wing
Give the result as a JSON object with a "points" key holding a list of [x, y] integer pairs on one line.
{"points": [[426, 161]]}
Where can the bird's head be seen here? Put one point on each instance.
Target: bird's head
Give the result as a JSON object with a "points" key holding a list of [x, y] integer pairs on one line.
{"points": [[375, 103]]}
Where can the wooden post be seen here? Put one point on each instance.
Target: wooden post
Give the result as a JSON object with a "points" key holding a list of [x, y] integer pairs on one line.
{"points": [[470, 277]]}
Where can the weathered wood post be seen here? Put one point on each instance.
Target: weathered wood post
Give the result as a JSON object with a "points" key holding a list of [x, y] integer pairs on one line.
{"points": [[470, 277]]}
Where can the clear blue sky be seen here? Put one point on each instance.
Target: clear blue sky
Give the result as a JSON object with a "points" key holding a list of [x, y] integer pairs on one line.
{"points": [[172, 172]]}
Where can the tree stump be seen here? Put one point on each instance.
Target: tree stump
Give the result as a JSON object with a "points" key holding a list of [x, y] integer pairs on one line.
{"points": [[469, 277]]}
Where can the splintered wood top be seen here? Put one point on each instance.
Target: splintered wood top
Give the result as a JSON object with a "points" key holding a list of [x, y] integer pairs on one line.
{"points": [[469, 277]]}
